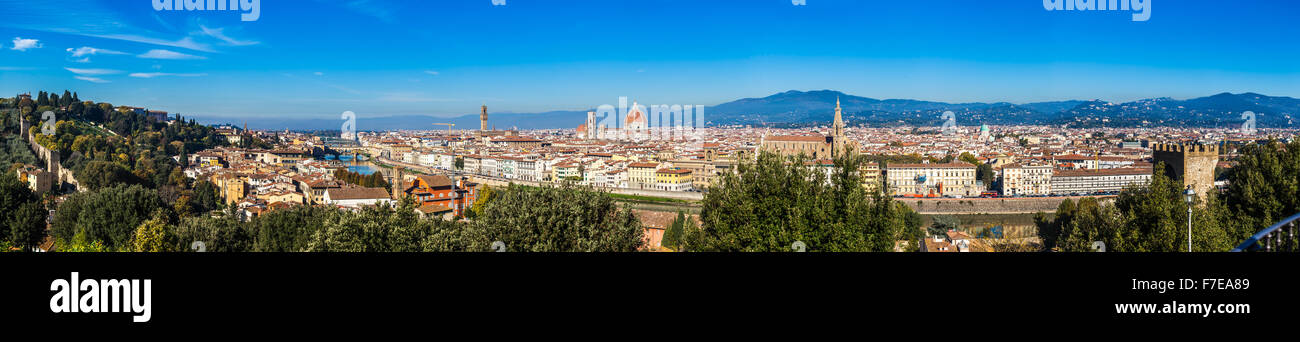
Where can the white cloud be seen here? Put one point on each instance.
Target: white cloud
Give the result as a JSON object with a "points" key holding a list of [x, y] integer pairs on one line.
{"points": [[162, 74], [220, 34], [91, 79], [431, 72], [93, 72], [21, 44], [168, 54], [184, 43], [90, 51]]}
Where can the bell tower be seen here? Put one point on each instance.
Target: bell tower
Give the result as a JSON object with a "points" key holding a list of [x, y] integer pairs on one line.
{"points": [[483, 125], [839, 142]]}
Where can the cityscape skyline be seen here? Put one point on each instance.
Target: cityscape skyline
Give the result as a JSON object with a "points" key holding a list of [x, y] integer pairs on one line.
{"points": [[212, 65]]}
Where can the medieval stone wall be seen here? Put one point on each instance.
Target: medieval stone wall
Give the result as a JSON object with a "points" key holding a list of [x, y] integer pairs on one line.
{"points": [[1193, 164]]}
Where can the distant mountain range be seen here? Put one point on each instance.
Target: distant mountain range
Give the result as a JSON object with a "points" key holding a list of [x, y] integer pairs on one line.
{"points": [[814, 108]]}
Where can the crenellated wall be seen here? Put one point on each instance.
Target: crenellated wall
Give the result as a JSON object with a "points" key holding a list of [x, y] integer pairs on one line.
{"points": [[1193, 164], [53, 162]]}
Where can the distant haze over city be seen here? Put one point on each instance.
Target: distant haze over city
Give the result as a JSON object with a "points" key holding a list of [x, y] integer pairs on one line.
{"points": [[810, 108]]}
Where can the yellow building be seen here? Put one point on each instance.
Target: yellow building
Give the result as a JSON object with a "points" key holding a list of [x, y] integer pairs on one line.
{"points": [[642, 175], [871, 176], [565, 171], [674, 179], [287, 197], [233, 188]]}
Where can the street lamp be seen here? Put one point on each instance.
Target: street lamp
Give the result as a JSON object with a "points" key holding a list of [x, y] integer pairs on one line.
{"points": [[1190, 196]]}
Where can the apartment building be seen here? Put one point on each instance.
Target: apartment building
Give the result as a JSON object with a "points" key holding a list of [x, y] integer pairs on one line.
{"points": [[952, 179], [1027, 180]]}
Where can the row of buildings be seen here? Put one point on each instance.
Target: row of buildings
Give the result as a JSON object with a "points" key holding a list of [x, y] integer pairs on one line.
{"points": [[255, 181]]}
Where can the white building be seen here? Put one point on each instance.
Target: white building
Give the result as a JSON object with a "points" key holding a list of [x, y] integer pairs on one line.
{"points": [[953, 179], [488, 167], [446, 161], [429, 159], [526, 170], [1082, 182], [1026, 180], [356, 197]]}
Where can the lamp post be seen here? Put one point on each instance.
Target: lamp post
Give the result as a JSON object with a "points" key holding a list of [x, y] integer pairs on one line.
{"points": [[1190, 196]]}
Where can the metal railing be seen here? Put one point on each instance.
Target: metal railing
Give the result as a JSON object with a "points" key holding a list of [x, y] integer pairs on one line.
{"points": [[1278, 238]]}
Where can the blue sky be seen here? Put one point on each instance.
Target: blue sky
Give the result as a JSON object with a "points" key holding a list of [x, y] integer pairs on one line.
{"points": [[318, 58]]}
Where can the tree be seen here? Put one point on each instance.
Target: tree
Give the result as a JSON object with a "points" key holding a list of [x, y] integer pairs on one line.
{"points": [[100, 174], [207, 197], [774, 201], [220, 234], [1049, 230], [984, 172], [290, 230], [555, 219], [674, 236], [460, 163], [27, 225], [969, 158], [1264, 186], [109, 215], [382, 228], [14, 195], [1150, 218], [943, 224], [154, 235], [485, 196]]}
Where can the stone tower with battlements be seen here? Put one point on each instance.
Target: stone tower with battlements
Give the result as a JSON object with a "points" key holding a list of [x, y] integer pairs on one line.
{"points": [[1193, 164], [483, 126]]}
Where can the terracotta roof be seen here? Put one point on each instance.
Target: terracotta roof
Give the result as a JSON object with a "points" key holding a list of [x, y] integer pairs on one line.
{"points": [[436, 181], [433, 209], [516, 140], [793, 138], [357, 194]]}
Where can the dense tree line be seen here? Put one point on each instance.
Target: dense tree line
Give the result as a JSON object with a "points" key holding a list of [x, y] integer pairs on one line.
{"points": [[374, 180], [87, 132], [22, 215], [1263, 189], [13, 150], [771, 203], [557, 219]]}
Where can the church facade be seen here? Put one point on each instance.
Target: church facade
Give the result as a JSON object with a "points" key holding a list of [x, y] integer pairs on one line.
{"points": [[812, 146]]}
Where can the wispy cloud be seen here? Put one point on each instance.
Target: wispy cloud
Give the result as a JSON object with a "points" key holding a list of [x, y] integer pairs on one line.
{"points": [[9, 68], [93, 72], [219, 34], [91, 79], [85, 52], [22, 44], [168, 54], [70, 17], [431, 72], [162, 74], [90, 51], [184, 43], [318, 73]]}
